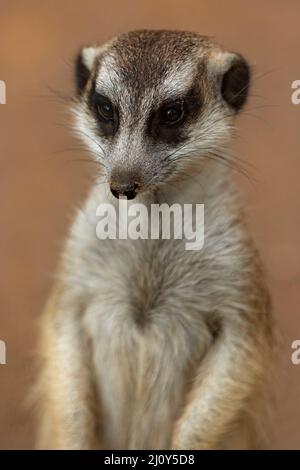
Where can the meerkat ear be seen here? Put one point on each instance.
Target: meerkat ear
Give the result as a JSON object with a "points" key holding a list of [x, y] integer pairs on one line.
{"points": [[84, 63], [234, 78], [235, 82]]}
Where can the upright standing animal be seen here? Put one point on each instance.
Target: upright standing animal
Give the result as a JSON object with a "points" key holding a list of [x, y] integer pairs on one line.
{"points": [[144, 344]]}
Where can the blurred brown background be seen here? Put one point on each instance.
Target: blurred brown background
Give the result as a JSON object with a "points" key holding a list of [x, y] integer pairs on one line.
{"points": [[41, 183]]}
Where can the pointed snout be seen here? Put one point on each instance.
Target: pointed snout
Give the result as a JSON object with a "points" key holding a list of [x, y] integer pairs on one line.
{"points": [[129, 191], [124, 184]]}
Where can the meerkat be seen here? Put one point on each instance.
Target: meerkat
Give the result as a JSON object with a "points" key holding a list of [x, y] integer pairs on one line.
{"points": [[146, 345]]}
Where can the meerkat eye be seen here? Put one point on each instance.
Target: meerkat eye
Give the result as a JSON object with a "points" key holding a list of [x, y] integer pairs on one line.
{"points": [[172, 113], [105, 108]]}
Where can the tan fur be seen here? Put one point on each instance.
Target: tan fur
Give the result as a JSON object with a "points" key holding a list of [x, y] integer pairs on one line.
{"points": [[145, 345]]}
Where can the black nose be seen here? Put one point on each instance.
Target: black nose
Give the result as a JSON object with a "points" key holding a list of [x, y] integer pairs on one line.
{"points": [[129, 192]]}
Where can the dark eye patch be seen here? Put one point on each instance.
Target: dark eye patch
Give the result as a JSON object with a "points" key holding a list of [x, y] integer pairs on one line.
{"points": [[105, 113], [169, 123], [171, 114]]}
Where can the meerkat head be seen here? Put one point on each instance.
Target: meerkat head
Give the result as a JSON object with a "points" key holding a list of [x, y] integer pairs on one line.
{"points": [[152, 102]]}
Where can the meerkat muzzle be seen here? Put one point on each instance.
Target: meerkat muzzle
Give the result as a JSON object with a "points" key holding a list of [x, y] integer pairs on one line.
{"points": [[129, 191]]}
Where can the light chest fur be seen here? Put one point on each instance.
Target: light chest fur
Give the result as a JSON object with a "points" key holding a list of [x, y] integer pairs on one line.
{"points": [[151, 313]]}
